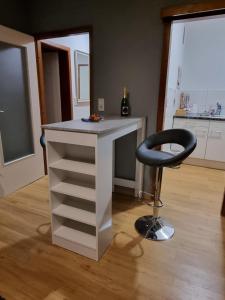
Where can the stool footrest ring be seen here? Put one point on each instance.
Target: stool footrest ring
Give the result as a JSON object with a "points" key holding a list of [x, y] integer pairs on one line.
{"points": [[141, 195], [152, 203]]}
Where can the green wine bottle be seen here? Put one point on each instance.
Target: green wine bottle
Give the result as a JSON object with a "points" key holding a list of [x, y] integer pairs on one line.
{"points": [[124, 104]]}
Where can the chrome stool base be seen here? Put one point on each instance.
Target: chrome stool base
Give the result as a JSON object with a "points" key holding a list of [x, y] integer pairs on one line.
{"points": [[154, 228]]}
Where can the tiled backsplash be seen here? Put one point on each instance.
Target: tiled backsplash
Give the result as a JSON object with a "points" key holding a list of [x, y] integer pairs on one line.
{"points": [[204, 101]]}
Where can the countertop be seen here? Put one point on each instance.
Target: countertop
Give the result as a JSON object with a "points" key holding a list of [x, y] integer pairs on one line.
{"points": [[104, 126], [202, 117]]}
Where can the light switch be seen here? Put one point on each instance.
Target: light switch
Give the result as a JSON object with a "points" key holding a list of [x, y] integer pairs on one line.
{"points": [[101, 106]]}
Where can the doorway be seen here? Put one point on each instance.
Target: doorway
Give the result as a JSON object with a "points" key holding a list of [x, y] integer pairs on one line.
{"points": [[55, 82], [64, 62], [65, 75], [181, 91], [195, 94]]}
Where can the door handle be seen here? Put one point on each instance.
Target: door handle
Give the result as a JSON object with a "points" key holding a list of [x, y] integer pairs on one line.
{"points": [[2, 111]]}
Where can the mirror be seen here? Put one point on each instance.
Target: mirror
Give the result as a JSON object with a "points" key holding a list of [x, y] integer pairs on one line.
{"points": [[82, 69]]}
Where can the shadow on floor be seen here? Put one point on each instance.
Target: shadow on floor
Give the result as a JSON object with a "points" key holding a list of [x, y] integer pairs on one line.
{"points": [[33, 268]]}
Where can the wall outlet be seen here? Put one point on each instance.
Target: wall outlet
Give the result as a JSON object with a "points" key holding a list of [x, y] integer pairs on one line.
{"points": [[101, 106]]}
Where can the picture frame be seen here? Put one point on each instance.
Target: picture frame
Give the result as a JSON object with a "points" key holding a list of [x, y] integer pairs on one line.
{"points": [[82, 74]]}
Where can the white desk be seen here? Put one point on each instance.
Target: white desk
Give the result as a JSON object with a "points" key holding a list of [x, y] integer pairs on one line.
{"points": [[80, 164]]}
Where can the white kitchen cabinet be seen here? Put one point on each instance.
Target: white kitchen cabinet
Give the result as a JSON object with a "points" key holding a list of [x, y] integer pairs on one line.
{"points": [[199, 128], [215, 149]]}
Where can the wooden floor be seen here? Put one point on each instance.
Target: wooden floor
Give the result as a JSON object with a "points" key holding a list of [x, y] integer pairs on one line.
{"points": [[190, 266]]}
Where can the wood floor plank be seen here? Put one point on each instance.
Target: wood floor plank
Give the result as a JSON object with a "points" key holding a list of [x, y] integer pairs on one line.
{"points": [[189, 266]]}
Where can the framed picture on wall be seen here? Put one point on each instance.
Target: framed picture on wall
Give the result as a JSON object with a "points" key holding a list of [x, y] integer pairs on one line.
{"points": [[82, 74]]}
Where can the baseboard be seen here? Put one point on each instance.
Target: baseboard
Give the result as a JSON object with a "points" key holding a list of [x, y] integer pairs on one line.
{"points": [[205, 163], [124, 190], [124, 186], [124, 182]]}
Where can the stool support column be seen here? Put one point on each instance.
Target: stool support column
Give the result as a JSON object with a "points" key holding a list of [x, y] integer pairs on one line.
{"points": [[153, 227], [158, 183]]}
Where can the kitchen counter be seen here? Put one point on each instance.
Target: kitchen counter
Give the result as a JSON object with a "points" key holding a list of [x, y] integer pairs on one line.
{"points": [[109, 124], [202, 117]]}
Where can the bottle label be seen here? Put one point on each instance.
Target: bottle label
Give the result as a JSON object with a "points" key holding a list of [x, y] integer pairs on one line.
{"points": [[125, 110]]}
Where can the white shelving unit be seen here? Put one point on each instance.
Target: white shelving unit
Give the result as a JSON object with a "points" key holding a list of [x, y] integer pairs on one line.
{"points": [[80, 166], [72, 172]]}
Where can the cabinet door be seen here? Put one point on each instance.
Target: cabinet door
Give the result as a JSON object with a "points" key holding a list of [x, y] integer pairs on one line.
{"points": [[215, 149], [177, 123], [200, 129]]}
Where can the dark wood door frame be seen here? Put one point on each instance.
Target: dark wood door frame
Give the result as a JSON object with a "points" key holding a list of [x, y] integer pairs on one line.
{"points": [[65, 79], [63, 33], [168, 15], [223, 206]]}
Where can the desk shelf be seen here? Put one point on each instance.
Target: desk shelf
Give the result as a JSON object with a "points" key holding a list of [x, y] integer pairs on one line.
{"points": [[74, 166], [75, 214], [75, 191], [76, 236], [80, 169]]}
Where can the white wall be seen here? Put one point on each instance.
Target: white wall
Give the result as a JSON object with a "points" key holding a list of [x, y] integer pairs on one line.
{"points": [[176, 53], [204, 55], [75, 42], [203, 76], [175, 61]]}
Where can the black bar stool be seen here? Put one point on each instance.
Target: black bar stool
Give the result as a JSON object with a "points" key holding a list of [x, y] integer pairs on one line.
{"points": [[42, 142], [154, 227]]}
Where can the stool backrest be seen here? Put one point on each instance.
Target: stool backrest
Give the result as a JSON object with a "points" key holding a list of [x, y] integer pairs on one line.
{"points": [[181, 137]]}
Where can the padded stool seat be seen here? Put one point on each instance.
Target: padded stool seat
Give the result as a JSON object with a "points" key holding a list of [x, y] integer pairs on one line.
{"points": [[148, 155], [153, 157], [152, 226]]}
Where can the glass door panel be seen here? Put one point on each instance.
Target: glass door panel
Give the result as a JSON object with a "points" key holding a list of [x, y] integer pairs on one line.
{"points": [[15, 116]]}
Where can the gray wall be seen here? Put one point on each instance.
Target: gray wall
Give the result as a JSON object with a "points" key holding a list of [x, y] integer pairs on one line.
{"points": [[127, 51], [13, 13]]}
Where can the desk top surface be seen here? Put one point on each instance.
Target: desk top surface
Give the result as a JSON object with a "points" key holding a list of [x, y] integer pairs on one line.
{"points": [[104, 126]]}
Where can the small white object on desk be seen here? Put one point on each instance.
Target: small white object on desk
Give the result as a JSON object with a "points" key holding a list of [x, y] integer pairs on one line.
{"points": [[80, 165]]}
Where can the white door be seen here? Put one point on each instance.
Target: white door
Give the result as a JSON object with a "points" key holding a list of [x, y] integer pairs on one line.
{"points": [[21, 156]]}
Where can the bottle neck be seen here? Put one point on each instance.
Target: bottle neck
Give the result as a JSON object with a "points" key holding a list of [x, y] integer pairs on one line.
{"points": [[125, 93]]}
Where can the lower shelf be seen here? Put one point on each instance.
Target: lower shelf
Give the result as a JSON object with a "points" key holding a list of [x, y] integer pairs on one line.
{"points": [[76, 236], [75, 247]]}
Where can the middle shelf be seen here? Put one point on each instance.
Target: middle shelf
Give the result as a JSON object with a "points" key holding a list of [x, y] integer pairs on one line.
{"points": [[76, 214], [74, 166], [75, 191]]}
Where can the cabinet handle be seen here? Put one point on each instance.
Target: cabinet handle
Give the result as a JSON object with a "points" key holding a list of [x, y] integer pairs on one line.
{"points": [[218, 131], [217, 134], [200, 133]]}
